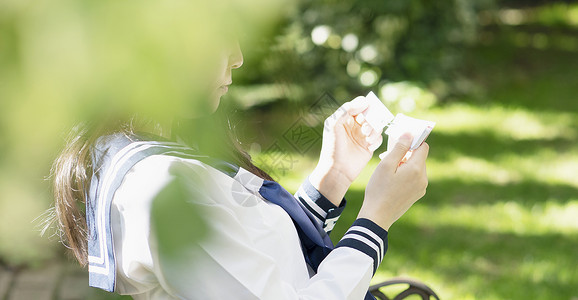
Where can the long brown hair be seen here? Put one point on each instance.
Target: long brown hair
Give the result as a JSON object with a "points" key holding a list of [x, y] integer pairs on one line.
{"points": [[72, 172]]}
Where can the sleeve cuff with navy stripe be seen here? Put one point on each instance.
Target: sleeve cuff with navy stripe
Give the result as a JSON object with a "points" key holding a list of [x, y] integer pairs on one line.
{"points": [[366, 236], [325, 212]]}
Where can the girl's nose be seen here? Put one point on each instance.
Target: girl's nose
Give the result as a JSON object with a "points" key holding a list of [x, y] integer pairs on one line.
{"points": [[236, 57]]}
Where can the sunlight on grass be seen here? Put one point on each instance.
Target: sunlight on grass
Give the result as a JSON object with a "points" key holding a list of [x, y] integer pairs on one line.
{"points": [[542, 165], [502, 217], [545, 165], [512, 123], [471, 169]]}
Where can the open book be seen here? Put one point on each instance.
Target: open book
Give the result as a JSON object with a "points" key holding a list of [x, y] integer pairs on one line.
{"points": [[379, 117]]}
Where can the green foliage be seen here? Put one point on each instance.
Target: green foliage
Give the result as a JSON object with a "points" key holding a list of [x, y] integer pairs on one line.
{"points": [[348, 47], [177, 223], [63, 61]]}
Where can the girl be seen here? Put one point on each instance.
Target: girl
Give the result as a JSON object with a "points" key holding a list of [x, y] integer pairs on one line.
{"points": [[165, 218]]}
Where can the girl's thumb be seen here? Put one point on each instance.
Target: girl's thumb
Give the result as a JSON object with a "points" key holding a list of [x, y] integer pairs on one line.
{"points": [[399, 150]]}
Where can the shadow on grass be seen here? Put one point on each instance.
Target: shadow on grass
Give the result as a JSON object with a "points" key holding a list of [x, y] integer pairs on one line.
{"points": [[488, 145], [526, 193], [536, 79], [457, 192]]}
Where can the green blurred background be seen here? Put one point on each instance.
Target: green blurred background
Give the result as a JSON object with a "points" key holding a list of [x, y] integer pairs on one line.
{"points": [[500, 218]]}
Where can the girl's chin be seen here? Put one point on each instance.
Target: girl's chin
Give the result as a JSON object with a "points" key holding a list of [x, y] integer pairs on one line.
{"points": [[199, 110], [214, 105]]}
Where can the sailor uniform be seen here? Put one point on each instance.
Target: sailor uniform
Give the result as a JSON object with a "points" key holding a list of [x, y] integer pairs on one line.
{"points": [[262, 242]]}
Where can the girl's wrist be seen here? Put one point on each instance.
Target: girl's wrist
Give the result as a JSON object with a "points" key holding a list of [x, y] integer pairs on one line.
{"points": [[330, 182], [383, 220]]}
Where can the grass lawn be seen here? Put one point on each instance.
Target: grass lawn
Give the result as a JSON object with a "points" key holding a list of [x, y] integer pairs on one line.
{"points": [[500, 218]]}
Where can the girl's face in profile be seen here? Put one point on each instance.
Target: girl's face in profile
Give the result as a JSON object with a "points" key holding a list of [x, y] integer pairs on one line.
{"points": [[230, 58], [211, 79]]}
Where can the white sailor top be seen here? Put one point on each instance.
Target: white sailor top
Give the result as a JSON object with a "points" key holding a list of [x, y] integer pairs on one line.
{"points": [[254, 247]]}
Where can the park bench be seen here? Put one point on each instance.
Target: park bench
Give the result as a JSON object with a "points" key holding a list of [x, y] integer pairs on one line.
{"points": [[415, 287]]}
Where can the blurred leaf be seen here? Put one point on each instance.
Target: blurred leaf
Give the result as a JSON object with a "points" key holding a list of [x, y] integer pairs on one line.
{"points": [[177, 223]]}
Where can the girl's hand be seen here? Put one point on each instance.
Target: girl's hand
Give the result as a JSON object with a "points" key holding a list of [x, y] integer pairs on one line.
{"points": [[348, 145], [394, 186]]}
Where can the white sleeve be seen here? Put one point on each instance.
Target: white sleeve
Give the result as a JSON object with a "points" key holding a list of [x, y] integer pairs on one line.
{"points": [[227, 261]]}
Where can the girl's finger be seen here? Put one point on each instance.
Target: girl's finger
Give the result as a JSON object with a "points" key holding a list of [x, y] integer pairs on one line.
{"points": [[360, 118], [352, 108], [356, 106], [420, 154], [396, 154], [374, 137], [366, 129], [373, 146]]}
